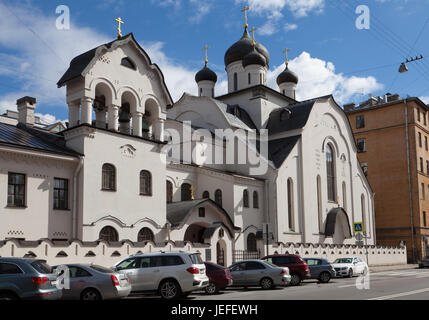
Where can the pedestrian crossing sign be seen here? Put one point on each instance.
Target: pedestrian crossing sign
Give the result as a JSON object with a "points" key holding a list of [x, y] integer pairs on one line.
{"points": [[358, 227]]}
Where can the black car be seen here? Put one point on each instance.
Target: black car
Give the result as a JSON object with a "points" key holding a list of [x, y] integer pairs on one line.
{"points": [[320, 269]]}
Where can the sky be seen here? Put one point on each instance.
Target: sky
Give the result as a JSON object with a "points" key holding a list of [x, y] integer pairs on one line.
{"points": [[327, 50]]}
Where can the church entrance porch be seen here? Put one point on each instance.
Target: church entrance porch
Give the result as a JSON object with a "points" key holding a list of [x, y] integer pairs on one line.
{"points": [[194, 233], [338, 226]]}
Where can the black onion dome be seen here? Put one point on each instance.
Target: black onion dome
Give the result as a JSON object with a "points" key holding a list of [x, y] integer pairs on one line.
{"points": [[243, 47], [254, 57], [287, 76], [205, 74]]}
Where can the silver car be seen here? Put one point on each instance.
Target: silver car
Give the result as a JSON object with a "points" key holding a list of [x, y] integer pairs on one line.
{"points": [[93, 282], [22, 278], [259, 273]]}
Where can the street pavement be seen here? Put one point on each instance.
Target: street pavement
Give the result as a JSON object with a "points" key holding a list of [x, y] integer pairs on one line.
{"points": [[410, 284]]}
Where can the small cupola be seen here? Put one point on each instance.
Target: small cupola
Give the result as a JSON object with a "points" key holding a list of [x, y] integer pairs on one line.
{"points": [[287, 80], [206, 79]]}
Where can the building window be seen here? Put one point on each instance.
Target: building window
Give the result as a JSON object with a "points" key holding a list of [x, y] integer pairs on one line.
{"points": [[290, 205], [319, 203], [344, 197], [169, 192], [360, 122], [109, 177], [424, 118], [201, 92], [16, 190], [109, 234], [418, 115], [427, 167], [246, 198], [235, 82], [248, 78], [421, 164], [186, 192], [364, 167], [251, 242], [255, 200], [145, 234], [361, 145], [145, 183], [423, 191], [420, 140], [424, 218], [330, 172], [201, 212], [260, 78], [127, 62], [61, 194], [206, 195], [218, 197]]}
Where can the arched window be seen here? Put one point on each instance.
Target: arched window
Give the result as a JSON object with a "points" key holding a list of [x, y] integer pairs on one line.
{"points": [[330, 173], [218, 197], [248, 78], [290, 205], [206, 195], [145, 234], [108, 181], [246, 198], [169, 192], [145, 183], [235, 82], [362, 201], [260, 78], [186, 192], [251, 242], [127, 62], [109, 234], [319, 204], [255, 200]]}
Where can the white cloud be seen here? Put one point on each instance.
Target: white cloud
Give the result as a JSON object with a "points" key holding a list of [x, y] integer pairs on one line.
{"points": [[289, 27], [425, 99], [299, 8], [318, 78]]}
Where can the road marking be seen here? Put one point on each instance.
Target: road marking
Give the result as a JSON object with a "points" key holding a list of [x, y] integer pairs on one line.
{"points": [[403, 294], [347, 286]]}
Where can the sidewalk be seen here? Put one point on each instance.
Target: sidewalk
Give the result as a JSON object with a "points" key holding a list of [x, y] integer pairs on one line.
{"points": [[393, 267]]}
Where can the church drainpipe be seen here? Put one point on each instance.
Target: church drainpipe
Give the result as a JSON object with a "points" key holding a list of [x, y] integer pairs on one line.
{"points": [[79, 167], [409, 180]]}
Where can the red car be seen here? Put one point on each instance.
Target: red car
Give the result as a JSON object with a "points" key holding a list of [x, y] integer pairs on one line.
{"points": [[297, 267], [219, 278]]}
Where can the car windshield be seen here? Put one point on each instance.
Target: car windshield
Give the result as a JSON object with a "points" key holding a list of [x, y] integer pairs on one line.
{"points": [[42, 267], [101, 269], [196, 258], [343, 260]]}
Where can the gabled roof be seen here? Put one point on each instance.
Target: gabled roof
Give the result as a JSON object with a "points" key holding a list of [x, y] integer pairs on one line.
{"points": [[297, 118], [79, 63], [36, 139], [279, 150]]}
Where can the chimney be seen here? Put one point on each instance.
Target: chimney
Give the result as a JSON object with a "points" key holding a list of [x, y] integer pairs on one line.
{"points": [[26, 106], [349, 107]]}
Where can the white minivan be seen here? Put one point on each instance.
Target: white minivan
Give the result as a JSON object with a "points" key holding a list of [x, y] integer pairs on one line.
{"points": [[168, 274]]}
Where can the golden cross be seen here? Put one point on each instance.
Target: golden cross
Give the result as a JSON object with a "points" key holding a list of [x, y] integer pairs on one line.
{"points": [[285, 52], [205, 50], [253, 35], [245, 9], [119, 20]]}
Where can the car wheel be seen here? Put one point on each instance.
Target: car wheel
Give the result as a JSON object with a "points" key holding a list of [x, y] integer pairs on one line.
{"points": [[211, 288], [7, 297], [295, 280], [267, 283], [350, 273], [324, 277], [169, 290], [90, 294]]}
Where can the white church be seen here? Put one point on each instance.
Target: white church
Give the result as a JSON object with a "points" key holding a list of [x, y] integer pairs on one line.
{"points": [[134, 166]]}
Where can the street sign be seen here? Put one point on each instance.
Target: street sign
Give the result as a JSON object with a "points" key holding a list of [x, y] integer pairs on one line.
{"points": [[359, 236], [358, 227]]}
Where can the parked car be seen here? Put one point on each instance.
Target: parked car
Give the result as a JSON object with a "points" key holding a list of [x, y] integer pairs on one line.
{"points": [[424, 263], [298, 268], [349, 267], [258, 273], [22, 278], [168, 274], [93, 282], [320, 269], [219, 278]]}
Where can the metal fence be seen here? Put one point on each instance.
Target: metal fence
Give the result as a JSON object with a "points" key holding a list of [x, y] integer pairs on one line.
{"points": [[239, 255]]}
